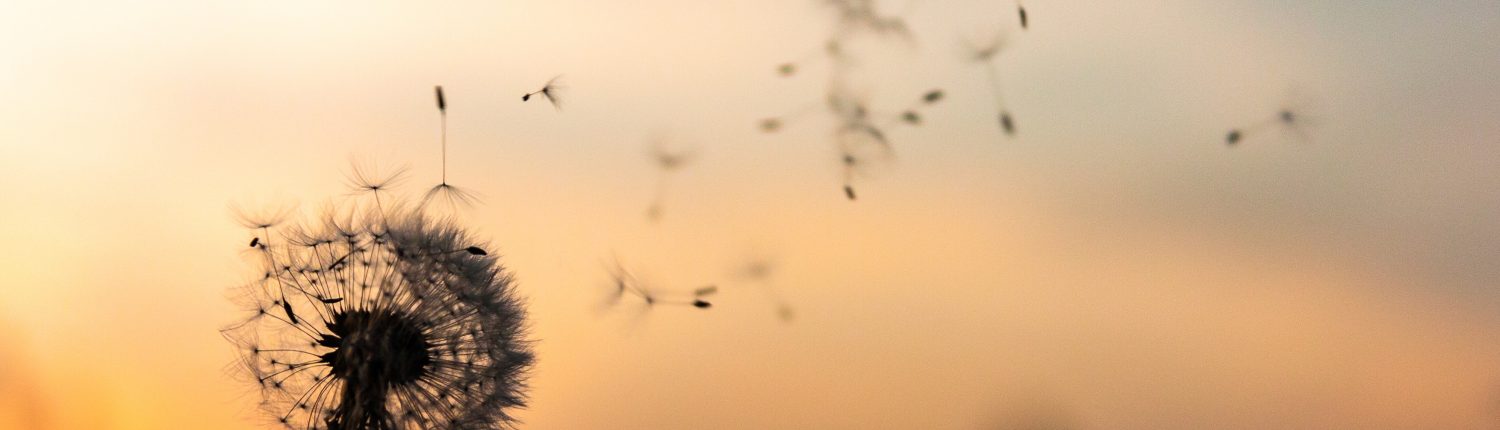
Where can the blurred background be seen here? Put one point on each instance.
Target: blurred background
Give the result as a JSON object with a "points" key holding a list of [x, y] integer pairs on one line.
{"points": [[1114, 265]]}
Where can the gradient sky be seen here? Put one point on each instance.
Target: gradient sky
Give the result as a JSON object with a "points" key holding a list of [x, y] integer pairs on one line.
{"points": [[1115, 266]]}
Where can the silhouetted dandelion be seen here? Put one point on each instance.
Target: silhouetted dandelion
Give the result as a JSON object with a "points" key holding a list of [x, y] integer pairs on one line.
{"points": [[401, 322], [550, 92]]}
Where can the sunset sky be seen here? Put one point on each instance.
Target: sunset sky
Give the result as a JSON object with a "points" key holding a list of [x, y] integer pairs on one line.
{"points": [[1112, 266]]}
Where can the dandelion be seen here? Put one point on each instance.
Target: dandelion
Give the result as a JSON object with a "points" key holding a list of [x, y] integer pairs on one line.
{"points": [[403, 322], [549, 91]]}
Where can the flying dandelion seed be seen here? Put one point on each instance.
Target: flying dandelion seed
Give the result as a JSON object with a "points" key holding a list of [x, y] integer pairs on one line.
{"points": [[400, 323], [550, 91], [454, 196], [623, 284], [912, 115], [984, 54], [1232, 138], [1292, 119], [1021, 10], [667, 162], [769, 125], [933, 96], [787, 69], [1006, 124], [760, 271]]}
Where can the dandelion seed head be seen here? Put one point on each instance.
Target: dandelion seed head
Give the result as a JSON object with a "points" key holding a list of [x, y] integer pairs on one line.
{"points": [[403, 322]]}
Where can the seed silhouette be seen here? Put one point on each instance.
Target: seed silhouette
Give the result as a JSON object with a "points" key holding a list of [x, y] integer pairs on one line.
{"points": [[624, 284], [933, 96], [454, 196], [550, 91], [787, 69], [1290, 119]]}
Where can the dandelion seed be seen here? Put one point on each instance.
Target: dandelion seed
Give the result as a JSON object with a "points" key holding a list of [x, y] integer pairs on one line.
{"points": [[849, 192], [911, 117], [933, 96], [770, 125], [1290, 119], [758, 272], [550, 92], [269, 216], [454, 196], [624, 284], [787, 69], [1022, 11], [1007, 124], [417, 337], [366, 178], [254, 242], [667, 162], [1232, 138]]}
